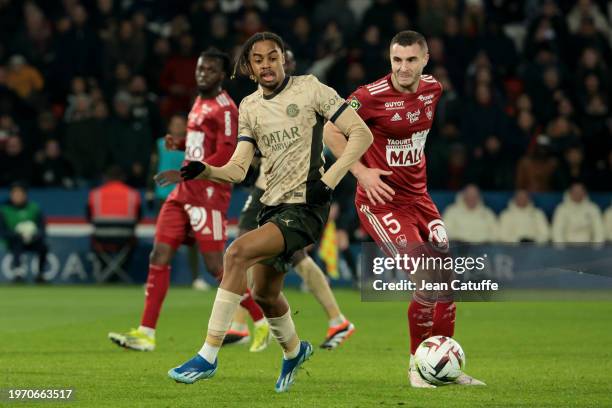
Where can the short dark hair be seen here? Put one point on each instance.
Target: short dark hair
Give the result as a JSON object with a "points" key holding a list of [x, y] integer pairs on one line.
{"points": [[409, 37], [215, 53], [242, 63]]}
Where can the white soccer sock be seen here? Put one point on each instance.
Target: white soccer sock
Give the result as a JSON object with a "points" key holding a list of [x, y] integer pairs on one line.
{"points": [[283, 330], [336, 321], [147, 330], [260, 322], [223, 310], [288, 355], [209, 353]]}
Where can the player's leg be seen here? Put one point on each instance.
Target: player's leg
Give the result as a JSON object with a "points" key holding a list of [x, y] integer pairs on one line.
{"points": [[212, 253], [434, 233], [394, 231], [263, 243], [340, 328], [268, 282], [170, 233], [214, 264]]}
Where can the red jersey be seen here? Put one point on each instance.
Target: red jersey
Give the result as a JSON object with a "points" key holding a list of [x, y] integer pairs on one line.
{"points": [[400, 123], [212, 132]]}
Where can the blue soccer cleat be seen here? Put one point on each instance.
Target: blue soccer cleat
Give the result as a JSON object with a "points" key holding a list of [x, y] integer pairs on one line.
{"points": [[290, 367], [193, 370]]}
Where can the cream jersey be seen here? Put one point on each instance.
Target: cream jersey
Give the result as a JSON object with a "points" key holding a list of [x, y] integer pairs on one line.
{"points": [[287, 128]]}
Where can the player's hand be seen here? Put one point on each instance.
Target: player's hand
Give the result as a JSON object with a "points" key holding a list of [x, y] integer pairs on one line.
{"points": [[171, 142], [378, 191], [192, 170], [318, 193], [168, 177]]}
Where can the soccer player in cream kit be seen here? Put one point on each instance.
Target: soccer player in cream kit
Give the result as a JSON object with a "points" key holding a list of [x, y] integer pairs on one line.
{"points": [[284, 119], [392, 201]]}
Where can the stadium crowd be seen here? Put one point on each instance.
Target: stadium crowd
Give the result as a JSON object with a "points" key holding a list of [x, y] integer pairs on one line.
{"points": [[89, 84], [86, 84]]}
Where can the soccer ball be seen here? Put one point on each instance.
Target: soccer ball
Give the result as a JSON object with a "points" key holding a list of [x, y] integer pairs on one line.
{"points": [[440, 360]]}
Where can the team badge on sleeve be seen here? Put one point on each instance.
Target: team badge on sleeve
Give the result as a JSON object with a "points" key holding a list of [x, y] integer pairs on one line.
{"points": [[354, 103]]}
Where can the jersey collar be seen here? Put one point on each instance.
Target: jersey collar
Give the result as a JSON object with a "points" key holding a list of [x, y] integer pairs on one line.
{"points": [[279, 89]]}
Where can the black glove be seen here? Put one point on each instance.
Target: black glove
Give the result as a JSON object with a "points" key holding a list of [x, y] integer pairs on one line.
{"points": [[318, 193], [192, 170]]}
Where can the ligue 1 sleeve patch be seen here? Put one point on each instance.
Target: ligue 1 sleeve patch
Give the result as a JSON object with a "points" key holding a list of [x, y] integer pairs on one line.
{"points": [[354, 103]]}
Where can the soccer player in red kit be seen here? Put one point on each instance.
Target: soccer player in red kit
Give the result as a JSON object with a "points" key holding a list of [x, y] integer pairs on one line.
{"points": [[195, 210], [392, 201]]}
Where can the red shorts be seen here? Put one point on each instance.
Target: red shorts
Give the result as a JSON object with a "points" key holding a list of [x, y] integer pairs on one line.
{"points": [[400, 228], [179, 223]]}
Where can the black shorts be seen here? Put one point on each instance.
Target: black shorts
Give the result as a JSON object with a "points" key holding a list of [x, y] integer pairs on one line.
{"points": [[300, 224], [252, 207]]}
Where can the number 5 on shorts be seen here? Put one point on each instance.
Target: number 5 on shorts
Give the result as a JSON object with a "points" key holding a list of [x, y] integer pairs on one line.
{"points": [[391, 223]]}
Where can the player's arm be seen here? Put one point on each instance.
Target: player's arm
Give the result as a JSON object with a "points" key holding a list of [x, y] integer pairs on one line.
{"points": [[359, 138], [226, 135], [378, 191], [234, 171]]}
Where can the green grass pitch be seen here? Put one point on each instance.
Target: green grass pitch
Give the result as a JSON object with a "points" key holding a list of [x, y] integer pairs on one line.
{"points": [[530, 354]]}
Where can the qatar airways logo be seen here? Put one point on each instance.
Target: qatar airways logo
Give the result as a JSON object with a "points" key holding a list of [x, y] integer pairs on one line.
{"points": [[393, 105], [406, 152]]}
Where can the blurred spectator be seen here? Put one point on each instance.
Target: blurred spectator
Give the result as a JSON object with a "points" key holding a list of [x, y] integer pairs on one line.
{"points": [[10, 103], [114, 209], [483, 117], [588, 35], [130, 141], [24, 79], [474, 18], [14, 163], [144, 105], [573, 169], [492, 168], [521, 221], [534, 171], [34, 40], [128, 46], [337, 10], [432, 16], [77, 50], [87, 142], [469, 219], [177, 78], [22, 227], [587, 9], [608, 223], [381, 14], [163, 159], [577, 219], [562, 134], [52, 169], [523, 133]]}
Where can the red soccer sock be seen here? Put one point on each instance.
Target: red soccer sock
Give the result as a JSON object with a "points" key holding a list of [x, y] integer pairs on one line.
{"points": [[444, 319], [155, 292], [420, 322], [253, 308]]}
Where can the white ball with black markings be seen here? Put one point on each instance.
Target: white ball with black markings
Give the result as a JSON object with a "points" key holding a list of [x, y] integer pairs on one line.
{"points": [[440, 360]]}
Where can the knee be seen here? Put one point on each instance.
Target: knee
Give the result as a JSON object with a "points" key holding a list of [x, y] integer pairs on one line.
{"points": [[235, 254], [263, 299], [160, 255]]}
